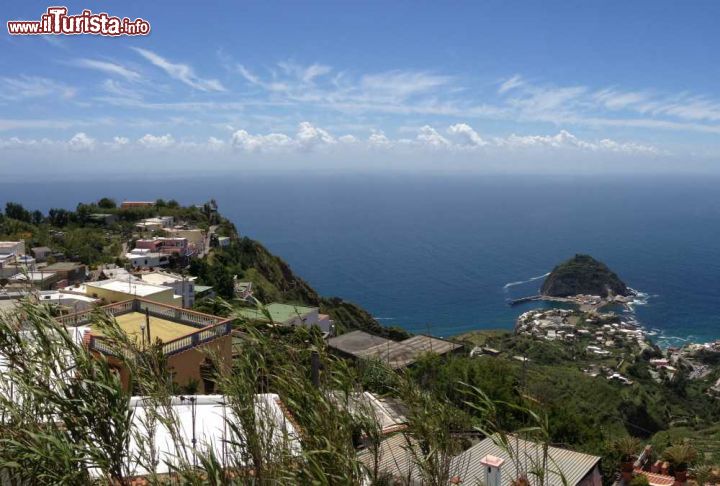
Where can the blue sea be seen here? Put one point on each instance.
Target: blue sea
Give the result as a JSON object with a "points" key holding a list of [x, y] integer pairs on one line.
{"points": [[443, 253]]}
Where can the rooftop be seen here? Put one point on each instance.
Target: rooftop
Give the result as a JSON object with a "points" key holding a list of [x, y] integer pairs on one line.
{"points": [[395, 354], [134, 287], [564, 466], [280, 313], [64, 266], [355, 342], [162, 278], [160, 328]]}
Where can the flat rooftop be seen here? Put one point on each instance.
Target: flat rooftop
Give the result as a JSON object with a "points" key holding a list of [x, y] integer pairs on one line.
{"points": [[133, 287], [60, 266], [393, 353], [162, 329], [355, 342], [280, 313]]}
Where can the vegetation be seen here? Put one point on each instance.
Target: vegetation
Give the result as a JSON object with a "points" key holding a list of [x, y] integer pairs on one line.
{"points": [[65, 419], [582, 274]]}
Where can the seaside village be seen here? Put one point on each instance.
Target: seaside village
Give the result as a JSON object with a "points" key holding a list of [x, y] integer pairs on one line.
{"points": [[152, 297]]}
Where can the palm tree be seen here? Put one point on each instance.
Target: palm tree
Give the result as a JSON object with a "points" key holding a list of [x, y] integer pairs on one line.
{"points": [[681, 456]]}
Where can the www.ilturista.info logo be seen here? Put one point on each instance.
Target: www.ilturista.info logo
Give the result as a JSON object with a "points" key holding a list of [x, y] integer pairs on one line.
{"points": [[56, 21]]}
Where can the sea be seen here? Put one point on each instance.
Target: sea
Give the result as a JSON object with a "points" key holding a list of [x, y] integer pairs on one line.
{"points": [[443, 254]]}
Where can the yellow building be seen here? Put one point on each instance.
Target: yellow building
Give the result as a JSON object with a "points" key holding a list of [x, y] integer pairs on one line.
{"points": [[115, 290]]}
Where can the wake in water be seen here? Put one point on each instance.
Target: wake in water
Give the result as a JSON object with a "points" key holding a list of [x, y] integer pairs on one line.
{"points": [[532, 279]]}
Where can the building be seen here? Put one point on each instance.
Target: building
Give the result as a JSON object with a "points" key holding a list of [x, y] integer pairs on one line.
{"points": [[67, 302], [42, 280], [223, 241], [195, 236], [144, 258], [137, 204], [168, 246], [155, 224], [290, 315], [182, 285], [207, 417], [11, 249], [115, 290], [41, 253], [185, 337], [9, 253], [396, 355], [69, 271], [499, 461]]}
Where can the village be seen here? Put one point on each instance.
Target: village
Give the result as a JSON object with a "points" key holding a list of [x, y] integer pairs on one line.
{"points": [[158, 304]]}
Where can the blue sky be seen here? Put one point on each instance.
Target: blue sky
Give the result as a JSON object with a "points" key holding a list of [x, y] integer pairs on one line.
{"points": [[498, 85]]}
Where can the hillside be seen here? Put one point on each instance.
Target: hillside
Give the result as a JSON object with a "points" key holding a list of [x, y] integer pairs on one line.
{"points": [[582, 274]]}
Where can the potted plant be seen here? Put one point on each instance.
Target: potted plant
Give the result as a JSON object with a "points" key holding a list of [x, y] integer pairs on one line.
{"points": [[627, 447], [680, 456]]}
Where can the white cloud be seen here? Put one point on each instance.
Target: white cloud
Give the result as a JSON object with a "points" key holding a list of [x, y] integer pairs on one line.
{"points": [[510, 83], [257, 143], [24, 87], [466, 135], [310, 136], [181, 72], [152, 141], [80, 141], [108, 68], [428, 135]]}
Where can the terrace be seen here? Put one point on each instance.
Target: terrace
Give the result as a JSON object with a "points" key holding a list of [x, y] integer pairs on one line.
{"points": [[178, 329]]}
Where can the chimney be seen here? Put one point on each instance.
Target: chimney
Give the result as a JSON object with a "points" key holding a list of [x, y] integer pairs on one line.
{"points": [[493, 471]]}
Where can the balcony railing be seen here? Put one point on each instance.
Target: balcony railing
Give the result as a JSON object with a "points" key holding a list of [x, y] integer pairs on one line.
{"points": [[208, 327]]}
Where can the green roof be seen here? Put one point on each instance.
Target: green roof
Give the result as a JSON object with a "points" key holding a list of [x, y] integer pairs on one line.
{"points": [[280, 313]]}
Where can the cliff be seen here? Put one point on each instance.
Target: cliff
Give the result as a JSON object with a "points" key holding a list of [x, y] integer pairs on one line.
{"points": [[582, 274]]}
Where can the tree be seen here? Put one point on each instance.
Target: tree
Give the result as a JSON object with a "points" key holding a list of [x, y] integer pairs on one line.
{"points": [[17, 211], [107, 203], [58, 217], [37, 217]]}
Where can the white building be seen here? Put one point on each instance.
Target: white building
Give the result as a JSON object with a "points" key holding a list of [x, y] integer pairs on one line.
{"points": [[182, 285], [144, 258], [68, 300]]}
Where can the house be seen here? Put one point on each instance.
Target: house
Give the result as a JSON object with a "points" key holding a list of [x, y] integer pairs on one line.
{"points": [[204, 292], [223, 241], [389, 414], [182, 285], [42, 280], [67, 301], [289, 315], [69, 271], [243, 290], [9, 253], [396, 355], [41, 253], [195, 237], [136, 204], [206, 417], [144, 258], [185, 337], [116, 290], [168, 246], [11, 249], [155, 224], [110, 271], [500, 461], [104, 218]]}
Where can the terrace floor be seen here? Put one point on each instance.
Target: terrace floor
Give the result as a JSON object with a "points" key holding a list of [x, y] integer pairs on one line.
{"points": [[162, 329]]}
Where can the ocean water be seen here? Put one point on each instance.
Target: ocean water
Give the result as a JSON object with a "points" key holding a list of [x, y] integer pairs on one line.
{"points": [[443, 254]]}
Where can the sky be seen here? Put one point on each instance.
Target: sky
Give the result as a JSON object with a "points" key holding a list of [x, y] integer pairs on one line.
{"points": [[496, 86]]}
